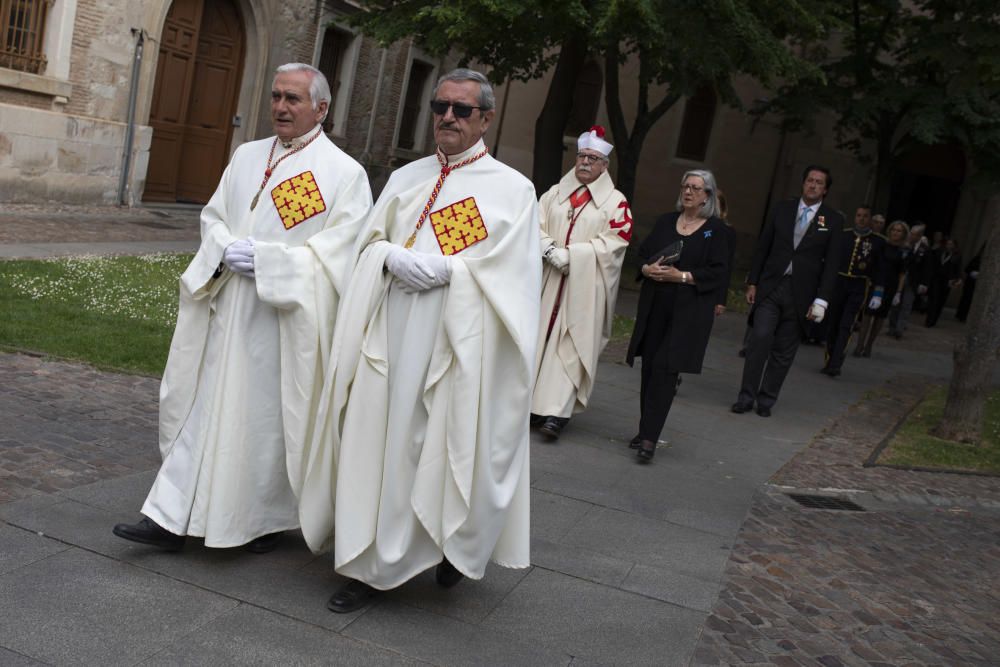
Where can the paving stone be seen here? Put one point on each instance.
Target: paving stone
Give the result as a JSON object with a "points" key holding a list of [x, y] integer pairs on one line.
{"points": [[78, 607], [445, 641], [596, 622], [19, 548], [251, 636]]}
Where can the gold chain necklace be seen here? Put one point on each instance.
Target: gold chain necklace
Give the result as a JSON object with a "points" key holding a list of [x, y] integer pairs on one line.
{"points": [[271, 167]]}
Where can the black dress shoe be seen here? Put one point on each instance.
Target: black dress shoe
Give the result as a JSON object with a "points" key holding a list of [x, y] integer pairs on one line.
{"points": [[740, 408], [832, 372], [647, 450], [553, 426], [264, 543], [148, 531], [634, 442], [536, 420], [763, 412], [447, 575], [352, 596]]}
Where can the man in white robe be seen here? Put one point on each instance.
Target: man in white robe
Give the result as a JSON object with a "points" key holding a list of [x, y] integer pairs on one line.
{"points": [[433, 355], [236, 399], [586, 228]]}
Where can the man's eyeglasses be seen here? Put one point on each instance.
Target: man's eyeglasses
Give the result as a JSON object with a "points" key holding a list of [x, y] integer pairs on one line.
{"points": [[586, 157], [692, 188], [440, 108]]}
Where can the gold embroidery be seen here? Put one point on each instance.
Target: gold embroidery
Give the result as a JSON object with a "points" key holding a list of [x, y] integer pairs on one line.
{"points": [[297, 199], [458, 226]]}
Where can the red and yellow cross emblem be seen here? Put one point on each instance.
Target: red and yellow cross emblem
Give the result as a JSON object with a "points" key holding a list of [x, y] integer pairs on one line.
{"points": [[458, 226], [297, 199]]}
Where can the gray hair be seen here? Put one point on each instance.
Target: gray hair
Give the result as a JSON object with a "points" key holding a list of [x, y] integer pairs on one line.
{"points": [[319, 89], [918, 227], [710, 208], [487, 100]]}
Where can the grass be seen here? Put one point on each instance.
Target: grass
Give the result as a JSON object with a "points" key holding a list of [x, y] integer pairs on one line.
{"points": [[914, 447], [112, 312]]}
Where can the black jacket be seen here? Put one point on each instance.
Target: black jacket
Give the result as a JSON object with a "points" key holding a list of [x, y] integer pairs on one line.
{"points": [[814, 262], [706, 258]]}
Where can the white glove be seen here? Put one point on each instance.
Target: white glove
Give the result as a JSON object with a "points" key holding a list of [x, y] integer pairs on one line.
{"points": [[410, 269], [875, 303], [558, 258], [817, 310], [897, 298], [440, 265], [238, 257], [921, 289]]}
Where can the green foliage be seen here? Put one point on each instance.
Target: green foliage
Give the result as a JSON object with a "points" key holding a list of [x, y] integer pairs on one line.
{"points": [[112, 312], [899, 73], [955, 45], [621, 327], [914, 446]]}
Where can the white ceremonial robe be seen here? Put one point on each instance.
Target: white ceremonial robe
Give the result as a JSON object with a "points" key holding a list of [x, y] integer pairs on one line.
{"points": [[428, 404], [567, 356], [235, 399]]}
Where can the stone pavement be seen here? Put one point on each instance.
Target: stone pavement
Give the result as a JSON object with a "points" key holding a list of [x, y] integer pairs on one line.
{"points": [[43, 231], [698, 558]]}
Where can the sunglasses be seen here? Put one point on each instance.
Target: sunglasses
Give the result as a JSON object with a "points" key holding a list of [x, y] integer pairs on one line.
{"points": [[440, 108]]}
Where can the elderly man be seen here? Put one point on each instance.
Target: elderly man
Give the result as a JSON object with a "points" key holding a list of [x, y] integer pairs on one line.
{"points": [[586, 227], [235, 396], [427, 408]]}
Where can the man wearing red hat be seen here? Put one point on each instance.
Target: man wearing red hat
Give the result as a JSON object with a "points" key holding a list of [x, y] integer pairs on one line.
{"points": [[585, 229]]}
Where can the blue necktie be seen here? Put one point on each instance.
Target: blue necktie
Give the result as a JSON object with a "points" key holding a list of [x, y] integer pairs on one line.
{"points": [[801, 226]]}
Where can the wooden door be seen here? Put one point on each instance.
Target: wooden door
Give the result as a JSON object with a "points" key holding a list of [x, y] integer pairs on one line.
{"points": [[194, 99]]}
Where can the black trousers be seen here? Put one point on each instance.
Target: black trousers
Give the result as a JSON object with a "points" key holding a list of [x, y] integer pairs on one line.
{"points": [[847, 302], [968, 291], [937, 296], [659, 382], [774, 339]]}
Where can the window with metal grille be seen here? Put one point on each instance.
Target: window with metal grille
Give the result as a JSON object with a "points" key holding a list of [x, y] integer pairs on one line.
{"points": [[22, 31]]}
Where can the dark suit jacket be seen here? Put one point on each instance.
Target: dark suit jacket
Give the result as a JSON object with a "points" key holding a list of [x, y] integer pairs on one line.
{"points": [[814, 262]]}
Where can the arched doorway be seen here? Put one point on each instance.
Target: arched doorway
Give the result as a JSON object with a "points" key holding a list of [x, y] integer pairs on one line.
{"points": [[194, 99], [927, 185]]}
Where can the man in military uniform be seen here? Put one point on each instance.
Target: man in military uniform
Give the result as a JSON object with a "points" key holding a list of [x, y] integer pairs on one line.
{"points": [[859, 268]]}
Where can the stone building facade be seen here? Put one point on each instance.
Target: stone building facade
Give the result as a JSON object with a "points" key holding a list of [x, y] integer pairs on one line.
{"points": [[201, 88]]}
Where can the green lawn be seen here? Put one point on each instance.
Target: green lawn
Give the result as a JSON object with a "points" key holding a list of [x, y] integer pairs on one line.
{"points": [[914, 447], [112, 312]]}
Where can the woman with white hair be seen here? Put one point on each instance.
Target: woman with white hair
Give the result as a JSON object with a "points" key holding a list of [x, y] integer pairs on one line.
{"points": [[684, 261]]}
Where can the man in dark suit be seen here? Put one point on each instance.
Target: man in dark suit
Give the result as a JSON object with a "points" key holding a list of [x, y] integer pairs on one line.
{"points": [[791, 280]]}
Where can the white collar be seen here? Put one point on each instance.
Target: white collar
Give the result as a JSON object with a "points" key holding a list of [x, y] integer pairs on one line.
{"points": [[295, 142], [476, 148]]}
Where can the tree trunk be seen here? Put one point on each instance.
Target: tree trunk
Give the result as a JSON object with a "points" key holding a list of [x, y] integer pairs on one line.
{"points": [[976, 356], [551, 123], [628, 145], [883, 171]]}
